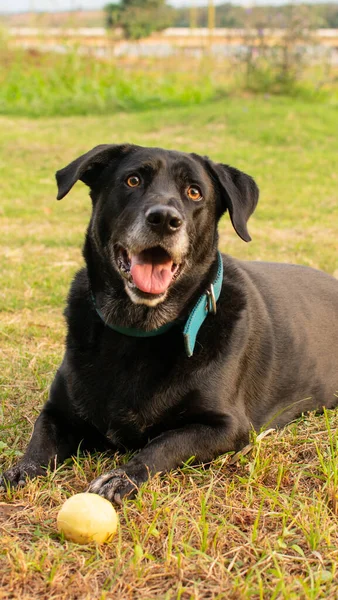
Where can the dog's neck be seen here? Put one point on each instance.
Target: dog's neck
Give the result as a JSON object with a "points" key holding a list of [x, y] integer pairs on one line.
{"points": [[118, 309]]}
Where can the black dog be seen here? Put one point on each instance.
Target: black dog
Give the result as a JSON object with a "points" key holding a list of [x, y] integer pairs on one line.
{"points": [[133, 375]]}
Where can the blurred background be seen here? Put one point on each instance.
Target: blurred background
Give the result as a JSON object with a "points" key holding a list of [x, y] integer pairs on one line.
{"points": [[175, 53]]}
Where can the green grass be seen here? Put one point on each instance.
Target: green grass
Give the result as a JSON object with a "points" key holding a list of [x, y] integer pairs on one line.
{"points": [[264, 528], [35, 84]]}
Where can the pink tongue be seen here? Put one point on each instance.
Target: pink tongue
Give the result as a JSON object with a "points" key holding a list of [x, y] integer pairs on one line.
{"points": [[151, 274]]}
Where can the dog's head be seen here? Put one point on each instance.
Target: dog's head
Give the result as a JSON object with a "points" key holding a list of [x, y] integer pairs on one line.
{"points": [[155, 212]]}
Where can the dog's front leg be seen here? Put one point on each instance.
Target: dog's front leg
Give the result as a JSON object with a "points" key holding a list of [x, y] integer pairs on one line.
{"points": [[168, 451], [57, 434], [51, 440]]}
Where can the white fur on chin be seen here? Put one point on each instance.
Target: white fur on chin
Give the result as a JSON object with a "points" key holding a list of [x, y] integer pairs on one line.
{"points": [[146, 301]]}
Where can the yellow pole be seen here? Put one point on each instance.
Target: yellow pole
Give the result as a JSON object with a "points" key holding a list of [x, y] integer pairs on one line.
{"points": [[211, 14], [211, 19]]}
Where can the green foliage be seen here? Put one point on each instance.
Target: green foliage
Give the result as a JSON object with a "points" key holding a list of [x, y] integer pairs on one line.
{"points": [[44, 85], [138, 18], [279, 68], [37, 85], [231, 15], [112, 12]]}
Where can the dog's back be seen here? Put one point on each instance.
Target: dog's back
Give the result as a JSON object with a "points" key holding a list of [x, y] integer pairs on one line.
{"points": [[297, 308]]}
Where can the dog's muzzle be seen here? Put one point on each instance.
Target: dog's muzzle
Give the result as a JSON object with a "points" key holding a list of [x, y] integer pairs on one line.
{"points": [[151, 271]]}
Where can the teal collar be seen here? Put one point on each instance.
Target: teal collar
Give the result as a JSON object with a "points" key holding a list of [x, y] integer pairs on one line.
{"points": [[205, 304]]}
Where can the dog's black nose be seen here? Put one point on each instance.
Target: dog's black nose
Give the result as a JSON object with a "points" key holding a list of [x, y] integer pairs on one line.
{"points": [[164, 218]]}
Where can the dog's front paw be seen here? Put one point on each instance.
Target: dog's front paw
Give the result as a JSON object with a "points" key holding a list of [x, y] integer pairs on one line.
{"points": [[18, 475], [117, 484]]}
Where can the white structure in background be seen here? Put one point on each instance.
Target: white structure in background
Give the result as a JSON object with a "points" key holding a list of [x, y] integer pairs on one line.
{"points": [[193, 41]]}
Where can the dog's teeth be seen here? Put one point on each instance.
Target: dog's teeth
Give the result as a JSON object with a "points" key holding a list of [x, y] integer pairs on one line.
{"points": [[123, 262], [176, 271]]}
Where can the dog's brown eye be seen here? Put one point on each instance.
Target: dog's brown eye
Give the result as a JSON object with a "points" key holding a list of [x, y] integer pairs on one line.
{"points": [[194, 193], [133, 181]]}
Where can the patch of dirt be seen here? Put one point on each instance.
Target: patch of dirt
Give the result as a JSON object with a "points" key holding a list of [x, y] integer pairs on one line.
{"points": [[8, 511]]}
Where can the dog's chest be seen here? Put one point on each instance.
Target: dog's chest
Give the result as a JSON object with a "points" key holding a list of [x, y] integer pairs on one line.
{"points": [[138, 413], [130, 393], [130, 428]]}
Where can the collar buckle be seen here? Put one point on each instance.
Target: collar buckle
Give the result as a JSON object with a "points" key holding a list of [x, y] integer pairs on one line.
{"points": [[211, 300]]}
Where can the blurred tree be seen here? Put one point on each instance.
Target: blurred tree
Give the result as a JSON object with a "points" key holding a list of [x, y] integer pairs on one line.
{"points": [[331, 15], [112, 12], [233, 15], [139, 18], [278, 67]]}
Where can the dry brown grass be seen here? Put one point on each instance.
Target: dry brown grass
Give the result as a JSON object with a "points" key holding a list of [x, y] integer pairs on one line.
{"points": [[264, 528]]}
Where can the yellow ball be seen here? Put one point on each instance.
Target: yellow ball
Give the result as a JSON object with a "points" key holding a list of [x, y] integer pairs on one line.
{"points": [[86, 518]]}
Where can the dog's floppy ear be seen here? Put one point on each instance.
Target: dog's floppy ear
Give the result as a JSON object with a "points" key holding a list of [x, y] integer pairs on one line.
{"points": [[87, 167], [239, 195]]}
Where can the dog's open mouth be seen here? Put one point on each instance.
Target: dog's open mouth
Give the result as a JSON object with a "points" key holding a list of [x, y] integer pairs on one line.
{"points": [[152, 271]]}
